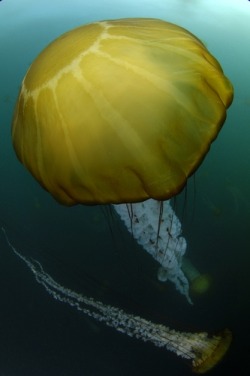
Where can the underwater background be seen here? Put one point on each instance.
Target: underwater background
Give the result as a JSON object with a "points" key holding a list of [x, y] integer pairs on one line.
{"points": [[88, 251]]}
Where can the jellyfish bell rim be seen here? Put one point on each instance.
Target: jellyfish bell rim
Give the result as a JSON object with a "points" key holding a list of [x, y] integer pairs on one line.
{"points": [[211, 359]]}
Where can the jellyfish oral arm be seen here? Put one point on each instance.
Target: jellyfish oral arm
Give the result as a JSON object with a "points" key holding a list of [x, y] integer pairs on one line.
{"points": [[155, 226], [203, 351]]}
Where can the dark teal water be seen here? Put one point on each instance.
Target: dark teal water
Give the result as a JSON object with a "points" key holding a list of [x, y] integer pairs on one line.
{"points": [[41, 336]]}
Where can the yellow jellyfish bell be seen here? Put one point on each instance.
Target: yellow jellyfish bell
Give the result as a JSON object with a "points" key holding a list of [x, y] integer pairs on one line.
{"points": [[119, 111]]}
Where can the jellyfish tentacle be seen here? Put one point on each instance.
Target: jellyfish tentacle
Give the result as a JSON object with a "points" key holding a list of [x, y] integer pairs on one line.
{"points": [[155, 226]]}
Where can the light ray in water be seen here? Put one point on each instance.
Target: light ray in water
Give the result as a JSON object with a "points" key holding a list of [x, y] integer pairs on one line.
{"points": [[201, 349]]}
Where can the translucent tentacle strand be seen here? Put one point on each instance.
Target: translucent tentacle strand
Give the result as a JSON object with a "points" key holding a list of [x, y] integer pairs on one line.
{"points": [[202, 350]]}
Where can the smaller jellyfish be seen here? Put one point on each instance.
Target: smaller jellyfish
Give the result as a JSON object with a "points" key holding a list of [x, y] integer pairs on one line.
{"points": [[201, 350]]}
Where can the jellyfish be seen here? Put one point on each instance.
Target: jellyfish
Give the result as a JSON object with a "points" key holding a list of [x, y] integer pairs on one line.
{"points": [[122, 112], [201, 350]]}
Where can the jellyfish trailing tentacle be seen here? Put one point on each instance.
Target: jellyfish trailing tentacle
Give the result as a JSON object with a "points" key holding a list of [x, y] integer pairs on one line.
{"points": [[202, 350], [155, 226]]}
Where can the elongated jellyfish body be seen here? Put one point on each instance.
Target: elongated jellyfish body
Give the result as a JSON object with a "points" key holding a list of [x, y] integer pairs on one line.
{"points": [[202, 350]]}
